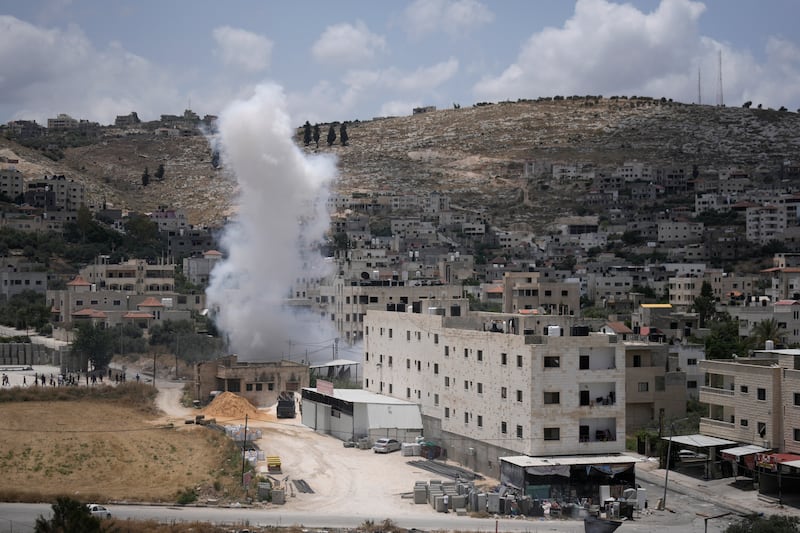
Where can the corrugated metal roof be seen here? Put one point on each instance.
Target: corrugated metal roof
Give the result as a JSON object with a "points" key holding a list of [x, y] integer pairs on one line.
{"points": [[336, 362], [744, 450], [363, 396], [567, 460], [699, 441]]}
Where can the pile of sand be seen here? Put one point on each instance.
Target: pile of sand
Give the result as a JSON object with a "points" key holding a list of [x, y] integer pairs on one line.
{"points": [[229, 405]]}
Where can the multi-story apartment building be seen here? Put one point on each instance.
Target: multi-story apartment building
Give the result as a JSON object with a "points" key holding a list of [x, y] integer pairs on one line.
{"points": [[530, 290], [495, 384], [754, 400], [11, 183], [17, 274], [765, 223], [62, 122], [198, 269], [135, 276], [56, 193], [675, 232], [655, 387]]}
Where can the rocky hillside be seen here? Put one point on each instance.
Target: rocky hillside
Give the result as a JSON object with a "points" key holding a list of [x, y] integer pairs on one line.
{"points": [[476, 154]]}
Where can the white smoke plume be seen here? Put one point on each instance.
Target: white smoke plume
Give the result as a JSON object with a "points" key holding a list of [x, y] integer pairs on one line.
{"points": [[281, 215]]}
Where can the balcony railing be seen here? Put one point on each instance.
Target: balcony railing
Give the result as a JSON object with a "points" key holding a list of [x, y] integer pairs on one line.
{"points": [[717, 423], [716, 390]]}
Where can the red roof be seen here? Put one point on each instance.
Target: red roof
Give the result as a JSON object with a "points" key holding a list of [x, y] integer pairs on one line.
{"points": [[787, 302], [137, 314], [150, 301], [78, 282], [619, 327], [213, 252]]}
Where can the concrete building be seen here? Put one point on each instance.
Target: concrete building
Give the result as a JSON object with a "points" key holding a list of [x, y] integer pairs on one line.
{"points": [[56, 193], [17, 274], [765, 223], [134, 276], [260, 382], [497, 384], [530, 290], [655, 388], [11, 183], [198, 269]]}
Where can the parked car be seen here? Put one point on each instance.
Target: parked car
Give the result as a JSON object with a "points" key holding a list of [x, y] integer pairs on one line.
{"points": [[98, 510], [690, 455], [384, 445]]}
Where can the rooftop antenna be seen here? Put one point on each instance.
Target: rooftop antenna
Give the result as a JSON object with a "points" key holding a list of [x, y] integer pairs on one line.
{"points": [[699, 92], [720, 100]]}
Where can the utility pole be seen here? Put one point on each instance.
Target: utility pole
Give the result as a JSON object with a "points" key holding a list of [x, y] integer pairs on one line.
{"points": [[244, 449], [177, 347]]}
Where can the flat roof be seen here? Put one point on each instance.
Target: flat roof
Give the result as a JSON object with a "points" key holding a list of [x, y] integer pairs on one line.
{"points": [[744, 450], [699, 441], [336, 362], [568, 460], [362, 396]]}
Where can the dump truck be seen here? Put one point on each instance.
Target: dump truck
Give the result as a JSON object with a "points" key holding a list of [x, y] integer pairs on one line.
{"points": [[286, 407]]}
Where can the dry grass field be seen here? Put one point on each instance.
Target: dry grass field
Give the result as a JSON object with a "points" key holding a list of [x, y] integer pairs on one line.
{"points": [[106, 444]]}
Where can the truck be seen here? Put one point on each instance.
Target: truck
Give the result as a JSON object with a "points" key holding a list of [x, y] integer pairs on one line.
{"points": [[286, 406]]}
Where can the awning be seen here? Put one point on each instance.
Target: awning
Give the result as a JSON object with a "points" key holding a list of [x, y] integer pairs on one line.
{"points": [[699, 441], [736, 453]]}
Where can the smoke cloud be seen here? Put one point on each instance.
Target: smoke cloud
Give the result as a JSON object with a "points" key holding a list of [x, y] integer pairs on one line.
{"points": [[269, 245]]}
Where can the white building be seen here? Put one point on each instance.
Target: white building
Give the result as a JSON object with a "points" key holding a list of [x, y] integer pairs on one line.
{"points": [[765, 223], [491, 384]]}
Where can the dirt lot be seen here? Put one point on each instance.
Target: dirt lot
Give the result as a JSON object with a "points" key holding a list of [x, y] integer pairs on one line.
{"points": [[101, 450]]}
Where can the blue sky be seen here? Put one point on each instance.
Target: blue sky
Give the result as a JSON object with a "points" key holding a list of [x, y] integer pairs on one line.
{"points": [[348, 59]]}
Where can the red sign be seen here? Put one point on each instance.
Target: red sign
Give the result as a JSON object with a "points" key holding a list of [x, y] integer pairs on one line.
{"points": [[324, 387]]}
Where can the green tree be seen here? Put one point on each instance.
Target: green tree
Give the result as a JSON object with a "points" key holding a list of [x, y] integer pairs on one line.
{"points": [[756, 523], [145, 177], [95, 343], [316, 134], [83, 221], [704, 305], [307, 133], [767, 330], [27, 309], [159, 175], [723, 340], [69, 516], [331, 135]]}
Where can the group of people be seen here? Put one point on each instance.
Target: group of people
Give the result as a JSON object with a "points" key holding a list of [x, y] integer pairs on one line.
{"points": [[68, 379]]}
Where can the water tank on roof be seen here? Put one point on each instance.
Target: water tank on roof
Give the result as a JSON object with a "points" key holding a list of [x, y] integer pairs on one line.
{"points": [[769, 345]]}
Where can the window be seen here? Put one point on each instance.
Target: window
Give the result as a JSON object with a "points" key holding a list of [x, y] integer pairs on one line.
{"points": [[447, 381], [504, 428], [480, 421], [551, 398], [447, 351], [519, 395], [797, 398], [390, 360], [552, 434], [743, 422], [503, 392], [480, 355], [466, 417], [408, 335], [466, 353], [435, 338], [762, 394], [519, 432], [691, 384], [503, 358], [691, 361], [637, 361], [447, 412], [408, 392], [644, 386], [435, 399], [552, 362], [435, 368], [248, 387], [585, 398], [583, 362], [743, 389], [390, 388], [762, 429], [466, 385], [519, 361], [480, 388], [270, 386], [390, 333]]}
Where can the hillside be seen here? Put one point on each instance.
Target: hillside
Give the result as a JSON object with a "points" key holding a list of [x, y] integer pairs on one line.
{"points": [[476, 154]]}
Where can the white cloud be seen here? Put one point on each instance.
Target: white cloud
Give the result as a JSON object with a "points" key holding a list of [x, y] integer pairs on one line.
{"points": [[347, 44], [607, 48], [454, 17], [46, 71], [422, 79], [241, 49], [398, 108]]}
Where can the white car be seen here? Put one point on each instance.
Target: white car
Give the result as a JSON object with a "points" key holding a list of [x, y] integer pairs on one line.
{"points": [[98, 510], [691, 454], [384, 445]]}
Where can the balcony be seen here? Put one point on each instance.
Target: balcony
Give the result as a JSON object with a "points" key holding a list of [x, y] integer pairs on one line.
{"points": [[717, 423], [716, 390]]}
